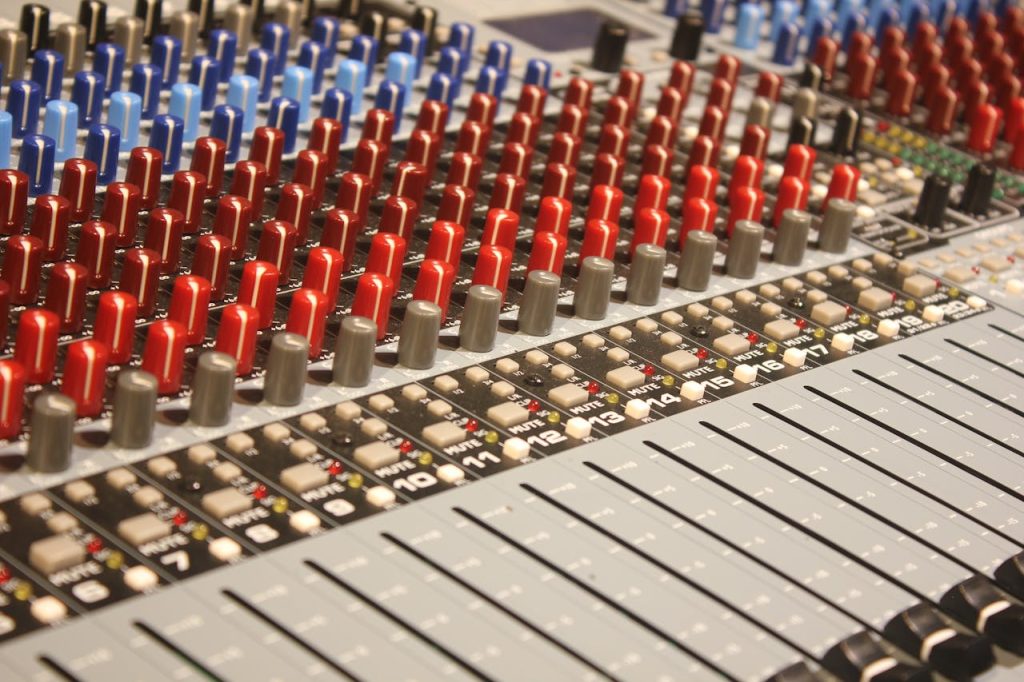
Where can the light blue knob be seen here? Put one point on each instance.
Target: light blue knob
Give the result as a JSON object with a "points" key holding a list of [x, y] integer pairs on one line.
{"points": [[298, 85], [401, 68], [186, 102], [748, 26], [243, 93], [6, 127], [61, 125], [351, 78], [125, 114]]}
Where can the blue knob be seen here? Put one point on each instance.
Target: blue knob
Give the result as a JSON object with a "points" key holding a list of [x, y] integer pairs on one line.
{"points": [[284, 114], [223, 46], [782, 13], [364, 49], [325, 30], [944, 11], [186, 102], [890, 16], [714, 14], [166, 137], [452, 62], [401, 68], [298, 86], [675, 8], [60, 124], [260, 65], [108, 61], [460, 36], [87, 93], [822, 27], [875, 9], [102, 145], [313, 56], [918, 13], [490, 81], [351, 78], [274, 39], [854, 23], [814, 9], [443, 88], [391, 96], [47, 71], [538, 72], [785, 46], [748, 26], [204, 73], [338, 105], [146, 82], [845, 9], [227, 125], [37, 163], [6, 127], [125, 114], [166, 54], [243, 93], [499, 55], [414, 43], [23, 101]]}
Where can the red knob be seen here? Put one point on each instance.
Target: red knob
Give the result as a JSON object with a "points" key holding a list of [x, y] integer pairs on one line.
{"points": [[140, 278], [902, 90], [189, 306], [501, 229], [657, 160], [232, 220], [379, 126], [164, 236], [728, 68], [311, 168], [295, 206], [547, 252], [208, 158], [250, 183], [755, 141], [826, 51], [341, 227], [523, 128], [579, 92], [96, 252], [698, 214], [5, 312], [935, 78], [942, 111], [1014, 119], [605, 204], [324, 266], [14, 200], [236, 335], [493, 267], [85, 376], [164, 354], [747, 171], [483, 108], [465, 170], [681, 76], [769, 85], [258, 288], [984, 128], [121, 206], [386, 256], [661, 131], [144, 164], [799, 162], [712, 123], [325, 137], [631, 86], [599, 239], [565, 148], [843, 184], [613, 140], [307, 316], [572, 120], [65, 294], [434, 283], [374, 292], [423, 147], [618, 111], [650, 226], [114, 325], [399, 216], [720, 96], [862, 77], [370, 158], [12, 398], [78, 185], [608, 170], [277, 246], [456, 204], [35, 346], [445, 242], [410, 181], [50, 225], [701, 183], [508, 191], [531, 100], [745, 203], [188, 192], [703, 152], [792, 193], [474, 137], [354, 194], [652, 192], [559, 181], [23, 264], [266, 149], [433, 117], [213, 254], [553, 216], [672, 103], [516, 159]]}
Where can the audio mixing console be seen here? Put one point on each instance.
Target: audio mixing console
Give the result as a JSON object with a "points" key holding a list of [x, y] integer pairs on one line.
{"points": [[606, 339]]}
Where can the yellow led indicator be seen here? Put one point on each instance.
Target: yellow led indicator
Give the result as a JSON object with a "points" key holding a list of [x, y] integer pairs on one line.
{"points": [[425, 459], [280, 505], [864, 318], [612, 399], [491, 437], [720, 363], [115, 560], [355, 480], [954, 292], [23, 591], [554, 417], [910, 306], [668, 381], [772, 347], [819, 333], [201, 531]]}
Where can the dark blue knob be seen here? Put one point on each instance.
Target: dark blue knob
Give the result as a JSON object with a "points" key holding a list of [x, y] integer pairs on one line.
{"points": [[364, 49], [714, 14], [499, 55], [284, 114], [37, 163], [260, 65], [227, 126], [460, 36], [274, 39], [47, 71], [856, 22], [443, 88], [338, 105], [919, 11], [675, 8], [223, 46], [452, 62], [313, 56], [415, 43], [166, 137], [325, 30], [205, 72], [538, 72], [491, 81], [23, 101], [145, 82], [391, 96], [102, 145], [166, 54], [108, 61], [822, 27], [783, 12], [785, 46], [87, 93]]}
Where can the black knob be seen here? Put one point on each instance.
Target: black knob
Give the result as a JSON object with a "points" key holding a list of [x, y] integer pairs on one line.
{"points": [[350, 9], [931, 205], [686, 39], [957, 655], [1010, 575], [798, 672], [35, 23], [801, 131], [846, 136], [92, 14], [610, 47], [204, 10], [373, 24], [424, 20], [257, 11], [851, 658], [812, 76], [150, 11], [981, 182], [979, 605]]}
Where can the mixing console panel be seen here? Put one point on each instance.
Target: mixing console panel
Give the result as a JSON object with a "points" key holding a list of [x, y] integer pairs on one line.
{"points": [[614, 340]]}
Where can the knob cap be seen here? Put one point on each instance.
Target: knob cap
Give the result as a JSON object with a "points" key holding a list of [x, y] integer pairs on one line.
{"points": [[610, 47], [696, 261], [643, 287], [931, 205], [213, 389], [594, 287], [286, 369], [744, 249], [134, 409], [836, 226], [686, 39], [353, 354], [50, 432], [480, 318], [791, 238], [417, 342], [920, 631], [981, 181], [537, 307]]}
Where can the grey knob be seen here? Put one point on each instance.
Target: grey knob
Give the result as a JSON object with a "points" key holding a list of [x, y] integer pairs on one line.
{"points": [[836, 226], [417, 340], [697, 259], [238, 20], [51, 430], [131, 425], [69, 40], [479, 325], [354, 351], [286, 369], [744, 249], [594, 288], [213, 389], [760, 112], [185, 27], [290, 14], [791, 237], [540, 299], [13, 53], [128, 33], [805, 103], [643, 286]]}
